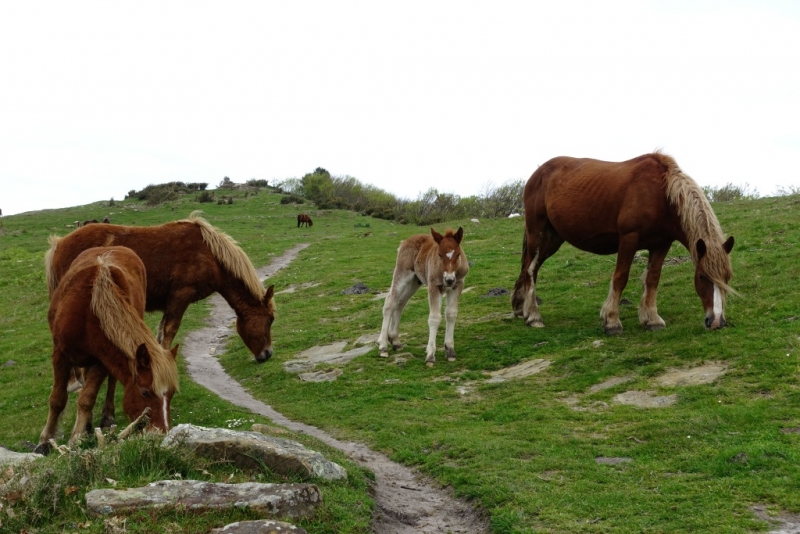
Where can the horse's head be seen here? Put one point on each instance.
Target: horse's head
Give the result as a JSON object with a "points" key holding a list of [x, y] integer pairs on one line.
{"points": [[711, 276], [142, 392], [254, 326], [450, 253]]}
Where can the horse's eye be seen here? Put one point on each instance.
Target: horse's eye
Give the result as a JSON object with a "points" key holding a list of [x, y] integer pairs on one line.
{"points": [[145, 393]]}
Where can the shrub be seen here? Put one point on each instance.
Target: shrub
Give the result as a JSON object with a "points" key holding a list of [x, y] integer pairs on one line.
{"points": [[729, 192], [292, 199], [205, 196]]}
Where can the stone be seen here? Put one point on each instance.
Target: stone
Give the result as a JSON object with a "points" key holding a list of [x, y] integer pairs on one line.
{"points": [[703, 374], [264, 526], [356, 289], [8, 457], [366, 339], [321, 376], [331, 354], [610, 383], [521, 370], [277, 500], [249, 450], [645, 399], [613, 461]]}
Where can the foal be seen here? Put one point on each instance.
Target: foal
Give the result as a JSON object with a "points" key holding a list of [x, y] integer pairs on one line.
{"points": [[438, 261]]}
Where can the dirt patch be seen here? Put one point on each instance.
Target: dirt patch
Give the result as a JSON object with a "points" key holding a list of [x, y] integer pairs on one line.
{"points": [[407, 501], [703, 374], [645, 399]]}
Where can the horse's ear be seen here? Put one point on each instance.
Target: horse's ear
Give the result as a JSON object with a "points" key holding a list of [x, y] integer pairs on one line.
{"points": [[174, 352], [436, 235], [728, 245], [142, 356], [459, 235], [701, 249], [269, 294]]}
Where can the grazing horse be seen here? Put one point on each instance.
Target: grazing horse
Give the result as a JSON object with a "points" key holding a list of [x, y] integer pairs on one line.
{"points": [[304, 219], [438, 261], [96, 320], [186, 261], [603, 207]]}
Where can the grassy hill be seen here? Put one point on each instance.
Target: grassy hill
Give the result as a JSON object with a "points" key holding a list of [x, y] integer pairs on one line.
{"points": [[525, 450]]}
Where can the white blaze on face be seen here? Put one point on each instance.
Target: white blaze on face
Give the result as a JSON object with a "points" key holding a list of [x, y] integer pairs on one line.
{"points": [[164, 412], [450, 254], [717, 302]]}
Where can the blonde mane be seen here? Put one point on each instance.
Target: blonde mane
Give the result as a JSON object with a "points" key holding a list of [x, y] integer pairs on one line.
{"points": [[127, 330], [698, 222], [228, 252], [48, 263]]}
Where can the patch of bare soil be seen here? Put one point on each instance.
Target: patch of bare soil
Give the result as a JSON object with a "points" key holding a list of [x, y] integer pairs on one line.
{"points": [[407, 501]]}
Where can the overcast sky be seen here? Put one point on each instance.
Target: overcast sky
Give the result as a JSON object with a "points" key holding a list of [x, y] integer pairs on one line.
{"points": [[98, 98]]}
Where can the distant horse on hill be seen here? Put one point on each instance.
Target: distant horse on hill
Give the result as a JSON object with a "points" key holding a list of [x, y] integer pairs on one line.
{"points": [[304, 219], [437, 261], [605, 208], [96, 320], [186, 261]]}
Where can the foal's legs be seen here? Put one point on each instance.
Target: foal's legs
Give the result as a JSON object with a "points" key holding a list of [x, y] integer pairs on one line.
{"points": [[108, 419], [648, 314], [610, 310], [434, 319], [58, 400], [450, 314], [404, 285], [86, 401]]}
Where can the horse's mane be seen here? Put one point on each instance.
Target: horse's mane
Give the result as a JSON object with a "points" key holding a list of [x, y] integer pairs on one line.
{"points": [[228, 252], [48, 263], [126, 330], [698, 221]]}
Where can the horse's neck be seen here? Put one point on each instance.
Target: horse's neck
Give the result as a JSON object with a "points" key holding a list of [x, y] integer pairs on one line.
{"points": [[237, 295]]}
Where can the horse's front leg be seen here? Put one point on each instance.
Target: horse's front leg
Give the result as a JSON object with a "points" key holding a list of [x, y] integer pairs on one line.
{"points": [[648, 313], [610, 310], [173, 315], [434, 319], [450, 314], [58, 400], [95, 375], [108, 419]]}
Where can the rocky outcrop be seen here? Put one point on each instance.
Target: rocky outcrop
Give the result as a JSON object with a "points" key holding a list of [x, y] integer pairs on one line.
{"points": [[265, 526], [251, 450], [8, 457], [275, 500]]}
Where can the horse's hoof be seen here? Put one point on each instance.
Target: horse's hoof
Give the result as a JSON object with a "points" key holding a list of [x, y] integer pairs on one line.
{"points": [[384, 354], [42, 448], [429, 364], [451, 358], [654, 327], [397, 346], [107, 422], [536, 323], [612, 330]]}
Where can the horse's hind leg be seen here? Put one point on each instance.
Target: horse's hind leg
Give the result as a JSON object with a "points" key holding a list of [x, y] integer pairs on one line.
{"points": [[58, 400], [450, 314], [648, 312], [403, 287], [108, 419], [95, 375]]}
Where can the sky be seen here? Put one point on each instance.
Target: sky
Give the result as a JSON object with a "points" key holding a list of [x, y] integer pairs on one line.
{"points": [[100, 98]]}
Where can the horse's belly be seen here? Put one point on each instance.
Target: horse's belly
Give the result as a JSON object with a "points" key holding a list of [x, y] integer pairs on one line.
{"points": [[596, 244]]}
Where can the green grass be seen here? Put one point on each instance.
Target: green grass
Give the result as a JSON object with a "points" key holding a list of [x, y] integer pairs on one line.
{"points": [[518, 449]]}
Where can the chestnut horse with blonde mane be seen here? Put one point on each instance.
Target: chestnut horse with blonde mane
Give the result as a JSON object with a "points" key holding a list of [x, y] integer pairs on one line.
{"points": [[437, 261], [96, 320], [645, 203], [186, 261]]}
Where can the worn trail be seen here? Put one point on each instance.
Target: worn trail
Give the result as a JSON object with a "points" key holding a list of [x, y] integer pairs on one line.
{"points": [[407, 502]]}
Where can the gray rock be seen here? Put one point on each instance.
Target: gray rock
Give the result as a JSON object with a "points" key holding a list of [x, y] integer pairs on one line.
{"points": [[645, 399], [9, 363], [613, 461], [8, 457], [321, 376], [249, 450], [278, 500], [331, 354], [264, 526]]}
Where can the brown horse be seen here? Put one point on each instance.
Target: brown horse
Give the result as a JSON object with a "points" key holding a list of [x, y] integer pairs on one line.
{"points": [[438, 261], [604, 207], [96, 320], [186, 261], [304, 219]]}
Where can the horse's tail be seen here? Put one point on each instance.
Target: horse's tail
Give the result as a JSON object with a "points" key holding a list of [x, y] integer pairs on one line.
{"points": [[50, 275], [126, 329]]}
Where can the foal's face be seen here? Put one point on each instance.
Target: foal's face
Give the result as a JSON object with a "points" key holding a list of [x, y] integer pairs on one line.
{"points": [[255, 327], [449, 250], [141, 395]]}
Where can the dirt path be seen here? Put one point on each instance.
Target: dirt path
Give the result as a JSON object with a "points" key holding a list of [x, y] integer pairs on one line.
{"points": [[407, 502]]}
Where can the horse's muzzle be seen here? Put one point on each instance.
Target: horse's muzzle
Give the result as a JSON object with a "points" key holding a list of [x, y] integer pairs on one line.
{"points": [[264, 356], [715, 323]]}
